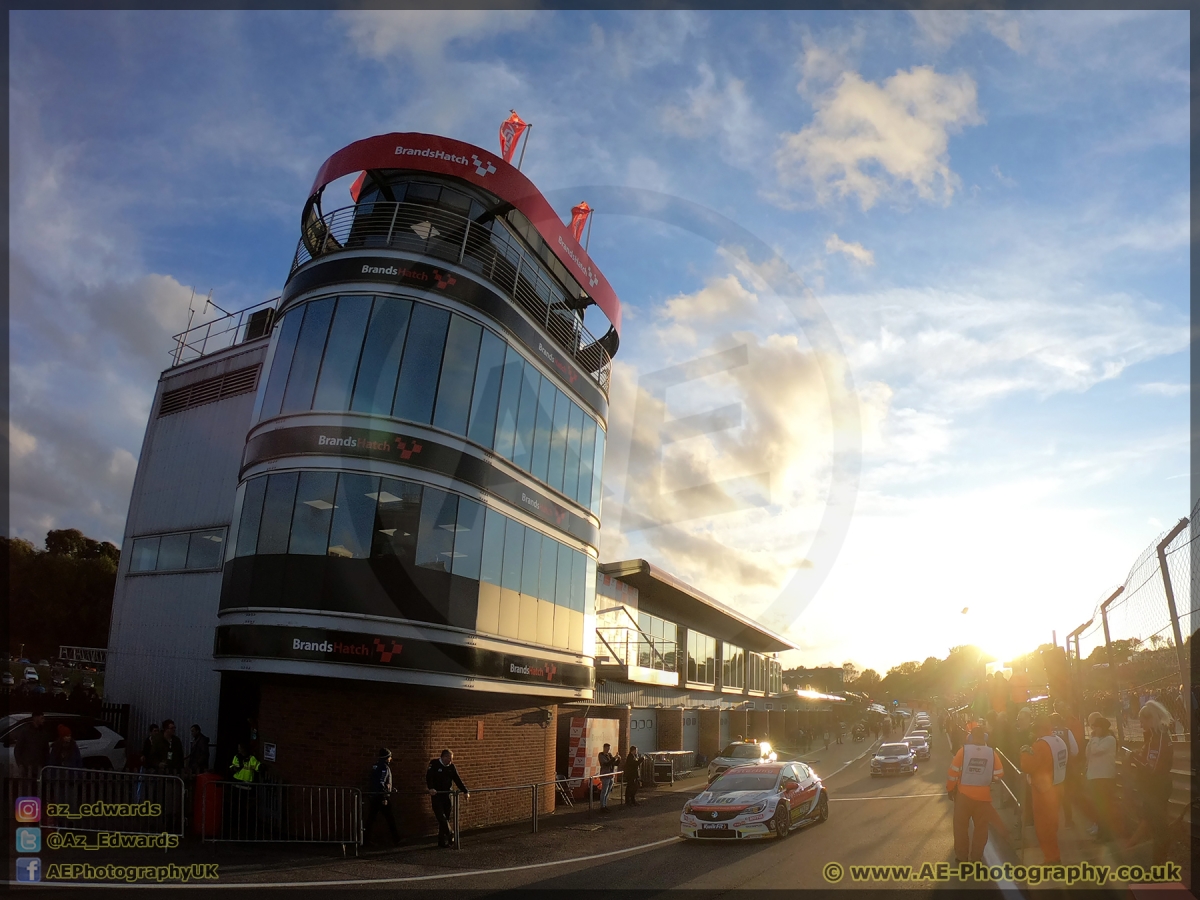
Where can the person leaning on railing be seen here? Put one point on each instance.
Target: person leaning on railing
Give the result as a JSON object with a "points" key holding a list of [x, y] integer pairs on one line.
{"points": [[439, 779]]}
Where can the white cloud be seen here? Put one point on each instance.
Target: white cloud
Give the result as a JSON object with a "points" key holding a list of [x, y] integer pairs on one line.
{"points": [[857, 252], [868, 139], [422, 35], [724, 113], [1002, 178], [1165, 389], [942, 27], [20, 442], [653, 38]]}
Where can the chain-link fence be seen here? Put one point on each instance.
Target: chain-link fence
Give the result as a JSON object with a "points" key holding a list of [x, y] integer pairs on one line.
{"points": [[1136, 647]]}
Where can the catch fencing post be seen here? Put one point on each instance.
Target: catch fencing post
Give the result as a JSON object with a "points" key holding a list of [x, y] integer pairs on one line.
{"points": [[457, 830], [534, 805], [1112, 664], [1166, 577]]}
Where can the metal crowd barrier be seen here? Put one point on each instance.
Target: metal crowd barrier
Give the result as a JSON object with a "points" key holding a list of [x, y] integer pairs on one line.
{"points": [[1010, 769], [262, 812], [97, 800]]}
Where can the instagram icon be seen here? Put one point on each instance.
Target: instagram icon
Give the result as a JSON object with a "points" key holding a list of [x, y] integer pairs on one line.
{"points": [[29, 809]]}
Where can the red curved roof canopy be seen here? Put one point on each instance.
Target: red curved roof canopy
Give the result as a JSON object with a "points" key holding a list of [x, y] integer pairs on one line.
{"points": [[446, 156]]}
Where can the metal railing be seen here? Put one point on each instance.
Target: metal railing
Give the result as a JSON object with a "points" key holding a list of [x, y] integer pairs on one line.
{"points": [[219, 334], [1010, 770], [263, 812], [126, 802], [489, 249]]}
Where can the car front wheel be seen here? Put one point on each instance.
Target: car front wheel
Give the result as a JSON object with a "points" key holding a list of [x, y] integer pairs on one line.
{"points": [[823, 809], [783, 821]]}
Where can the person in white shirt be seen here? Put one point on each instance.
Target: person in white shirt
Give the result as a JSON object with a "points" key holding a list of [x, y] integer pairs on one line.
{"points": [[1102, 777]]}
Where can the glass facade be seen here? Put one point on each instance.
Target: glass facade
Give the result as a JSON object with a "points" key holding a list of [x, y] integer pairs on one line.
{"points": [[471, 566], [733, 666], [179, 552], [756, 675], [701, 658], [388, 356]]}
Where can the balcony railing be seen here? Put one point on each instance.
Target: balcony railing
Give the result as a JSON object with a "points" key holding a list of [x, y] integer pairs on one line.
{"points": [[489, 249], [232, 328], [630, 647]]}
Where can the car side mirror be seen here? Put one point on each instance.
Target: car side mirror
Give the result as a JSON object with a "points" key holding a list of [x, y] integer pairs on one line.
{"points": [[790, 785]]}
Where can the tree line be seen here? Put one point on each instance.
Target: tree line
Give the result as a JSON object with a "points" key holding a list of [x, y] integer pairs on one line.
{"points": [[60, 595]]}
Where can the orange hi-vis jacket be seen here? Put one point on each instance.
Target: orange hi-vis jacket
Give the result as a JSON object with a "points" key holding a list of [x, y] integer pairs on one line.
{"points": [[977, 781]]}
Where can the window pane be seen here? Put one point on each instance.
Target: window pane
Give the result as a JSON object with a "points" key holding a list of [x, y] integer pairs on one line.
{"points": [[145, 555], [247, 540], [310, 346], [531, 563], [493, 547], [172, 553], [353, 516], [277, 513], [514, 545], [468, 539], [435, 537], [341, 353], [549, 569], [458, 375], [523, 441], [541, 429], [510, 397], [589, 587], [574, 434], [578, 580], [380, 364], [421, 364], [313, 512], [558, 441], [396, 519], [587, 453], [281, 363], [486, 396], [597, 467], [204, 549], [562, 587]]}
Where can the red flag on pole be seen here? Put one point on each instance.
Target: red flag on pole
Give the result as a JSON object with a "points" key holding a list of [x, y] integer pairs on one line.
{"points": [[510, 133], [356, 188], [579, 217]]}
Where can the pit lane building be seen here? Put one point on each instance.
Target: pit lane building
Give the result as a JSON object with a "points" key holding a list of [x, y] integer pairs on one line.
{"points": [[367, 513]]}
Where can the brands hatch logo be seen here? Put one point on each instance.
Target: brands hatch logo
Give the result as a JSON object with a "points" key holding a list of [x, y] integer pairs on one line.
{"points": [[547, 671], [386, 655], [443, 281], [408, 448], [482, 168], [592, 277]]}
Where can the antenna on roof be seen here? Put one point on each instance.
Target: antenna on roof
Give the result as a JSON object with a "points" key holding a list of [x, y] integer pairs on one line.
{"points": [[209, 302], [180, 340]]}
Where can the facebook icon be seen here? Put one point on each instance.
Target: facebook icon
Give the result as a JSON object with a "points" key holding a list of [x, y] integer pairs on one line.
{"points": [[29, 869]]}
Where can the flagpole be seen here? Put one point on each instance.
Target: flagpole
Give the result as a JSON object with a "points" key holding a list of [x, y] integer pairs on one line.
{"points": [[528, 129], [587, 239]]}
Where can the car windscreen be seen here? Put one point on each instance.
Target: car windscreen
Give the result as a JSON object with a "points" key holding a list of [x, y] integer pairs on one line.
{"points": [[894, 750], [742, 751], [744, 781]]}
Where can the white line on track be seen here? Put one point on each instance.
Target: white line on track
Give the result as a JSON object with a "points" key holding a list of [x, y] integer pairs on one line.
{"points": [[364, 881], [887, 797]]}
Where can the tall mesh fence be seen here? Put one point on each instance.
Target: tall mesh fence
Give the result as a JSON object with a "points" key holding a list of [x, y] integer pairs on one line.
{"points": [[1139, 659]]}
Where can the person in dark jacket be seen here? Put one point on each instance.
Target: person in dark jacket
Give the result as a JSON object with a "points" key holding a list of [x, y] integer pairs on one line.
{"points": [[633, 778], [65, 752], [198, 758], [152, 749], [33, 747], [608, 768], [172, 748], [439, 778], [381, 789]]}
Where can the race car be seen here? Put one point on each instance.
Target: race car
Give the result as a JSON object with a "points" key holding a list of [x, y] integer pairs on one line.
{"points": [[767, 800], [919, 745], [740, 753], [894, 759]]}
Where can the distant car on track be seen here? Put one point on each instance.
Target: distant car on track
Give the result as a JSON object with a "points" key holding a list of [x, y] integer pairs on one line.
{"points": [[919, 745], [894, 759], [740, 753], [756, 801]]}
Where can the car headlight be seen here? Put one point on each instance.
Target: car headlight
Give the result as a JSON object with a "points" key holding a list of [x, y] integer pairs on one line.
{"points": [[687, 808], [756, 808]]}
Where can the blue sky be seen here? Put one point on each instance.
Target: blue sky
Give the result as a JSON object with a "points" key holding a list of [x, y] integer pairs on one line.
{"points": [[989, 210]]}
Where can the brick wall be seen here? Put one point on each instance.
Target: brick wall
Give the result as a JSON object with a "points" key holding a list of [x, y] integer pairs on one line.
{"points": [[758, 725], [330, 732], [670, 729], [710, 732]]}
